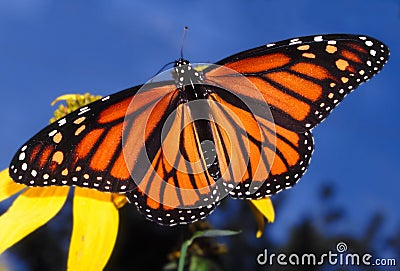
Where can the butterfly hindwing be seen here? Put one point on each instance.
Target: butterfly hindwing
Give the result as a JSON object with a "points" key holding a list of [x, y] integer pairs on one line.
{"points": [[177, 186], [275, 158]]}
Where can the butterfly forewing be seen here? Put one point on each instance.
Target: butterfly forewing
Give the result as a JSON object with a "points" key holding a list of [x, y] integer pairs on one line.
{"points": [[303, 79], [84, 148]]}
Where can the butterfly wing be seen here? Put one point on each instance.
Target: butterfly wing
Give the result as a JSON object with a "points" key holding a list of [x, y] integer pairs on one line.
{"points": [[85, 147], [272, 156], [302, 80], [173, 183]]}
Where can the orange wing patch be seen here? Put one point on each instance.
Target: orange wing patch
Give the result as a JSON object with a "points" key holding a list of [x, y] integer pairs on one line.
{"points": [[296, 108], [260, 63], [308, 89], [107, 148], [312, 71], [86, 144], [351, 56]]}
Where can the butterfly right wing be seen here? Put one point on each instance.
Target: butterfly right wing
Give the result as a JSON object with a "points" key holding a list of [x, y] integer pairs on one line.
{"points": [[302, 80]]}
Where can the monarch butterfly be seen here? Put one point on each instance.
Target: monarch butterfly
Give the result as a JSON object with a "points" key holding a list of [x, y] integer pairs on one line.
{"points": [[300, 79]]}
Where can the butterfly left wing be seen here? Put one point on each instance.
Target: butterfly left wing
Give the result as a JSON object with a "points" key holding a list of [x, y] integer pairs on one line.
{"points": [[85, 147]]}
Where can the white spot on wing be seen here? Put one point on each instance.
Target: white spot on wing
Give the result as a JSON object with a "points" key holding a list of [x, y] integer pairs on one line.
{"points": [[21, 156], [318, 38], [369, 43], [295, 41], [83, 110], [52, 133], [62, 121]]}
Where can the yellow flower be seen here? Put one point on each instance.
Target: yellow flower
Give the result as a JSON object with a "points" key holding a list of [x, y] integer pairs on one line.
{"points": [[94, 213]]}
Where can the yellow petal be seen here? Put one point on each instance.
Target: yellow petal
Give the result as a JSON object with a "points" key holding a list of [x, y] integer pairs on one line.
{"points": [[265, 207], [262, 208], [7, 186], [64, 98], [32, 209], [94, 230], [73, 102]]}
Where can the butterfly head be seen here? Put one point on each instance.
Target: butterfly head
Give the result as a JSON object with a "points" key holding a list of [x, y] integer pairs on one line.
{"points": [[185, 74]]}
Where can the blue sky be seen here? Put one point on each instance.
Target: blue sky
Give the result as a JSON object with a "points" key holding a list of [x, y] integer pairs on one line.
{"points": [[50, 48]]}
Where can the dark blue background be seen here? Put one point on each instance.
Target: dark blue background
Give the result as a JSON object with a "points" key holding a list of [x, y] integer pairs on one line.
{"points": [[49, 48]]}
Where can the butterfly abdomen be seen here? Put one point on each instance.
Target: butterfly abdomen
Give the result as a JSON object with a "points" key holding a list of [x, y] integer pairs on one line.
{"points": [[207, 149]]}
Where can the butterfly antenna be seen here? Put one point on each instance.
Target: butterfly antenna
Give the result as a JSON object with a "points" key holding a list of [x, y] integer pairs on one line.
{"points": [[162, 68], [185, 30]]}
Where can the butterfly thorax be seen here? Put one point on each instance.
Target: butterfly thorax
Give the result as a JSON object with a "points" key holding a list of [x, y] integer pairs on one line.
{"points": [[188, 80]]}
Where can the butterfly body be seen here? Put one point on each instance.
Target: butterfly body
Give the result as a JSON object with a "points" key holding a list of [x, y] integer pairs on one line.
{"points": [[176, 147], [190, 83]]}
